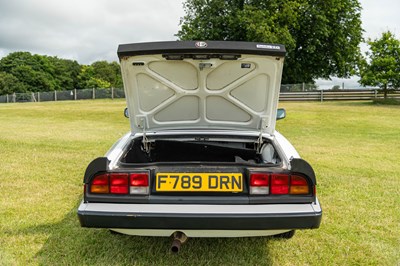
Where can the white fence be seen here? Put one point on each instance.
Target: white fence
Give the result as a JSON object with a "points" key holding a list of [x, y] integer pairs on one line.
{"points": [[317, 95], [63, 95], [341, 95]]}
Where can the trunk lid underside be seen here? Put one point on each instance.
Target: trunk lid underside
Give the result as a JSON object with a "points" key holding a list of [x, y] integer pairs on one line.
{"points": [[202, 89]]}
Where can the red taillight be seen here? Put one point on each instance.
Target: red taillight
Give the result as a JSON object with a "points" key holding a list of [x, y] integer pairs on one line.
{"points": [[299, 185], [100, 184], [139, 183], [119, 183], [279, 184], [259, 183], [259, 179], [139, 179]]}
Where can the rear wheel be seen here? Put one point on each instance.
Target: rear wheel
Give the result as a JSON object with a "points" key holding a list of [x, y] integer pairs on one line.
{"points": [[286, 235]]}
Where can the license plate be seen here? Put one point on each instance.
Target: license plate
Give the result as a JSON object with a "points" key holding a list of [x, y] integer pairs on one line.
{"points": [[199, 182]]}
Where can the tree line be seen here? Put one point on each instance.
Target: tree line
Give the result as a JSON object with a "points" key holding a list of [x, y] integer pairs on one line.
{"points": [[26, 72], [322, 38]]}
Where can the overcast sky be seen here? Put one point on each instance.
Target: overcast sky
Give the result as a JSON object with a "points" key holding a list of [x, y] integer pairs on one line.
{"points": [[90, 30]]}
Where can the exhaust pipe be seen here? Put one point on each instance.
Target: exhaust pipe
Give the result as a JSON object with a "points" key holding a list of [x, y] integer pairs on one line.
{"points": [[179, 239]]}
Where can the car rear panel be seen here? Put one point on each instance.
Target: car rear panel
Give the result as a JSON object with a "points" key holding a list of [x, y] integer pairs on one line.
{"points": [[188, 210], [217, 173]]}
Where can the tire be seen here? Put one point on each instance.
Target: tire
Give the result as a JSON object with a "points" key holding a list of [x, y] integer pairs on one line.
{"points": [[286, 235]]}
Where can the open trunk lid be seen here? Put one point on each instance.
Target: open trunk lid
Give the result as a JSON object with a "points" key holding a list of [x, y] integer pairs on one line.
{"points": [[202, 85]]}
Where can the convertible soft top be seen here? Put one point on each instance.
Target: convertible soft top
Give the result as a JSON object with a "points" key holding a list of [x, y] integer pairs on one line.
{"points": [[201, 47]]}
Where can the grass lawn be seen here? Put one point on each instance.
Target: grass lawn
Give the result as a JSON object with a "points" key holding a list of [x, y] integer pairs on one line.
{"points": [[354, 148]]}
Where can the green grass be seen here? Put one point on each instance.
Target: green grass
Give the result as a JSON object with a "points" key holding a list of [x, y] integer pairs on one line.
{"points": [[354, 148], [388, 101]]}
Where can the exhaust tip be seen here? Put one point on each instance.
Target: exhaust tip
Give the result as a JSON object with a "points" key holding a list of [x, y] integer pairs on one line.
{"points": [[176, 246], [179, 239]]}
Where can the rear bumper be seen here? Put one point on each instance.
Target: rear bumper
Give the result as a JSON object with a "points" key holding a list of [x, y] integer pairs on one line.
{"points": [[200, 217]]}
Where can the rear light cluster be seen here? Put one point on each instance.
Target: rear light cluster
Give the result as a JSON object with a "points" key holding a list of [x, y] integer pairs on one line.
{"points": [[278, 184], [120, 183]]}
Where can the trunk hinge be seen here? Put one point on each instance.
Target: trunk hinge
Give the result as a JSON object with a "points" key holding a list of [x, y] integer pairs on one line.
{"points": [[260, 141], [145, 140]]}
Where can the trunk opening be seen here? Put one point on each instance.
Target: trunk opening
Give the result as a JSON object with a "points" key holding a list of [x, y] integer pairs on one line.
{"points": [[201, 151]]}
